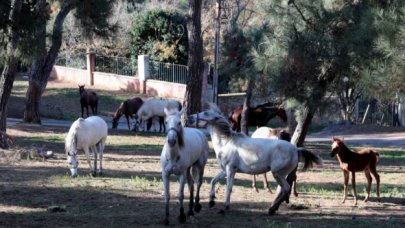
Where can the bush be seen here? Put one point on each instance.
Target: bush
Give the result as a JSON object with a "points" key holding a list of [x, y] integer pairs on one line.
{"points": [[162, 35]]}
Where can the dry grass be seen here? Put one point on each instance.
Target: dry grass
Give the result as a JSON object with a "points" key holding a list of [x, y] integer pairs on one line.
{"points": [[130, 192]]}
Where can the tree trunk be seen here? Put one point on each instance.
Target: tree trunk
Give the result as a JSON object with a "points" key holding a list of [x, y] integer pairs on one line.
{"points": [[10, 68], [44, 62], [246, 105], [302, 128], [192, 98]]}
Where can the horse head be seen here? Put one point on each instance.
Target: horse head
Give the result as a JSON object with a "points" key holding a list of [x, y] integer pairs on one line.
{"points": [[213, 117], [81, 89], [337, 145], [175, 129], [71, 153], [282, 113]]}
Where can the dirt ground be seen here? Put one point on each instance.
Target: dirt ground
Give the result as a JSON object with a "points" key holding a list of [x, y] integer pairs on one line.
{"points": [[129, 194]]}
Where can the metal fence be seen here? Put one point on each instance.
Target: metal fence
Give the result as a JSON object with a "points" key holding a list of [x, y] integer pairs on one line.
{"points": [[168, 72], [116, 65], [74, 60]]}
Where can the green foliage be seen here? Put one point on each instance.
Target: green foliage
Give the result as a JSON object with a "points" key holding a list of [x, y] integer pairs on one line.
{"points": [[237, 66], [315, 43], [92, 17], [160, 34], [26, 29]]}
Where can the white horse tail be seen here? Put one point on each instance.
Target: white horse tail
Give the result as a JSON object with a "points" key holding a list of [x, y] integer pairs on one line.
{"points": [[308, 158]]}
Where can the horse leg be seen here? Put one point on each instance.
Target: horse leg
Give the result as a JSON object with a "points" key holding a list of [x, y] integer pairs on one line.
{"points": [[82, 110], [345, 185], [377, 178], [214, 180], [283, 189], [198, 173], [87, 152], [100, 154], [190, 183], [292, 180], [126, 116], [93, 149], [254, 183], [266, 183], [166, 182], [354, 187], [369, 180], [182, 180], [230, 176], [87, 110]]}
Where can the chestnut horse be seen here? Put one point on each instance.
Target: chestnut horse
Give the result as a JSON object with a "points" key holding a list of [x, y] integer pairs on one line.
{"points": [[363, 160], [88, 99], [128, 108], [258, 116]]}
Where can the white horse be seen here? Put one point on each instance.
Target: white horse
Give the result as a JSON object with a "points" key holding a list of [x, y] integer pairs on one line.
{"points": [[274, 133], [237, 152], [185, 151], [152, 108], [86, 134]]}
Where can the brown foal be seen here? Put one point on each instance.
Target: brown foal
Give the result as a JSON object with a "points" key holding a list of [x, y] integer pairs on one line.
{"points": [[363, 160]]}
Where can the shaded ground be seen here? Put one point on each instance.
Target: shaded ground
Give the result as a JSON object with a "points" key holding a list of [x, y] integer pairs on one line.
{"points": [[130, 192]]}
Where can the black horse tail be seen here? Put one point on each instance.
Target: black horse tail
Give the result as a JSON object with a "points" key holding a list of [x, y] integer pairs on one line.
{"points": [[180, 106], [308, 158]]}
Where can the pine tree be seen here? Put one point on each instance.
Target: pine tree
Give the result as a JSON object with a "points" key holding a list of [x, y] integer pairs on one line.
{"points": [[313, 45]]}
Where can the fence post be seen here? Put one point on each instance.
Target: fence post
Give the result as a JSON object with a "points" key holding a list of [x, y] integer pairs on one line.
{"points": [[143, 72], [90, 60]]}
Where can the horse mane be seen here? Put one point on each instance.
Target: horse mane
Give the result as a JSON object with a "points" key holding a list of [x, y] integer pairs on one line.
{"points": [[343, 146], [224, 128], [71, 140]]}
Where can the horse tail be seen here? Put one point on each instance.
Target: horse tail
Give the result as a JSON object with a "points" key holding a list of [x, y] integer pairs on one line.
{"points": [[180, 106], [308, 158], [377, 155]]}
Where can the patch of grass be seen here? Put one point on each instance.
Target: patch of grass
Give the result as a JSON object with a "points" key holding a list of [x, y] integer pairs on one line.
{"points": [[37, 140]]}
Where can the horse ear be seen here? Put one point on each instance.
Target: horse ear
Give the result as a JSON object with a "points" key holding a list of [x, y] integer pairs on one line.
{"points": [[333, 138], [183, 110], [166, 111]]}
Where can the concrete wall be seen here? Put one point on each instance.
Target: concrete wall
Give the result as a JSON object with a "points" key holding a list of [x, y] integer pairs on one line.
{"points": [[119, 82], [116, 82], [165, 89], [70, 75]]}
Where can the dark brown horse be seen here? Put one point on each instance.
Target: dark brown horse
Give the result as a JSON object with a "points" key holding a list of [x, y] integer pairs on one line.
{"points": [[88, 99], [363, 160], [259, 116], [128, 108]]}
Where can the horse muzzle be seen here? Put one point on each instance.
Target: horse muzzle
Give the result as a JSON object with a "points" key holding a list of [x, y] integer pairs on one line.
{"points": [[73, 172]]}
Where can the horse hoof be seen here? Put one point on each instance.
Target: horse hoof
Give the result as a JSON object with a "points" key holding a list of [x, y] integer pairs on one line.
{"points": [[211, 203], [272, 211], [94, 174], [166, 222], [197, 207], [221, 212], [182, 218], [190, 213]]}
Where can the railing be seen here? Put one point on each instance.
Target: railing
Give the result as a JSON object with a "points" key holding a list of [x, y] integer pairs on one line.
{"points": [[168, 72], [116, 65], [77, 60]]}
